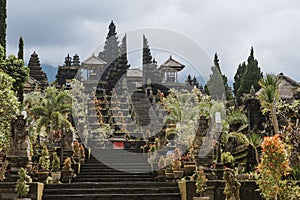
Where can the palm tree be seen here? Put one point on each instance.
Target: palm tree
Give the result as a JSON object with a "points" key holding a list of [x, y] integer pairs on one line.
{"points": [[254, 140], [52, 113], [183, 111], [268, 96]]}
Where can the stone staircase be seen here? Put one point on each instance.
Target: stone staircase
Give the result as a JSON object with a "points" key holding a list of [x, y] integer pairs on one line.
{"points": [[113, 174]]}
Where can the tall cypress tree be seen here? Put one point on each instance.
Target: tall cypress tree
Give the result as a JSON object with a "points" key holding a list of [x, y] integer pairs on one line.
{"points": [[21, 49], [3, 25], [2, 58], [250, 78], [195, 82], [238, 77], [189, 80], [16, 69], [218, 82]]}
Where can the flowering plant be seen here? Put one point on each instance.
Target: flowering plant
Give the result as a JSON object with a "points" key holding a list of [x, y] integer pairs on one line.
{"points": [[176, 164], [200, 181], [273, 166]]}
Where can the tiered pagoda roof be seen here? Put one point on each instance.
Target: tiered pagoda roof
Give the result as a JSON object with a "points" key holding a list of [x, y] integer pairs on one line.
{"points": [[68, 71], [36, 71]]}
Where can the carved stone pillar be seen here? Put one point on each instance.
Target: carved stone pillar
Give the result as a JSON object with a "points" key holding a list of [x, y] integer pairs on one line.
{"points": [[19, 150]]}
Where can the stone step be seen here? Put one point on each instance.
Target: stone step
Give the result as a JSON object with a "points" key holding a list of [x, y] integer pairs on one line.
{"points": [[112, 179], [116, 152], [101, 178], [133, 171], [113, 185], [114, 190], [117, 169], [109, 173], [158, 196], [112, 165], [99, 160]]}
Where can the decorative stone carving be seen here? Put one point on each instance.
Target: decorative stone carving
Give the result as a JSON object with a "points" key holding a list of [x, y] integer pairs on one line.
{"points": [[18, 152], [232, 187], [68, 140], [19, 137]]}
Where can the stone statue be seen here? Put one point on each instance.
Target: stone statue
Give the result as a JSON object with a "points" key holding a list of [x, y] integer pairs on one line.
{"points": [[2, 170], [232, 187], [202, 131], [19, 134], [122, 121], [68, 140]]}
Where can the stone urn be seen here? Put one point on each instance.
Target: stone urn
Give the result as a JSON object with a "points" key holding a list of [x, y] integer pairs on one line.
{"points": [[169, 174], [178, 173], [189, 168], [66, 175], [56, 176], [43, 175]]}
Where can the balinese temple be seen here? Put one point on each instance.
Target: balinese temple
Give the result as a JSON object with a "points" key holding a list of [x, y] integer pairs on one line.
{"points": [[170, 70], [93, 67], [288, 88], [68, 71], [38, 79]]}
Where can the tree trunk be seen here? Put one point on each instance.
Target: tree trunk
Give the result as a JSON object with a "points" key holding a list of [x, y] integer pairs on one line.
{"points": [[274, 118], [256, 155]]}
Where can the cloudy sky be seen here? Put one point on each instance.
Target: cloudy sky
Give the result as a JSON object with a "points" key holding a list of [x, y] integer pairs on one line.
{"points": [[58, 27]]}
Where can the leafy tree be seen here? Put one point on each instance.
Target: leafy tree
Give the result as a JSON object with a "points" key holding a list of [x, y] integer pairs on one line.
{"points": [[21, 49], [9, 106], [268, 96], [53, 111], [250, 78], [182, 110], [16, 69], [3, 25]]}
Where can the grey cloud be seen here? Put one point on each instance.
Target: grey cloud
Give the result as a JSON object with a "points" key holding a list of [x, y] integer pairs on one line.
{"points": [[230, 28]]}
